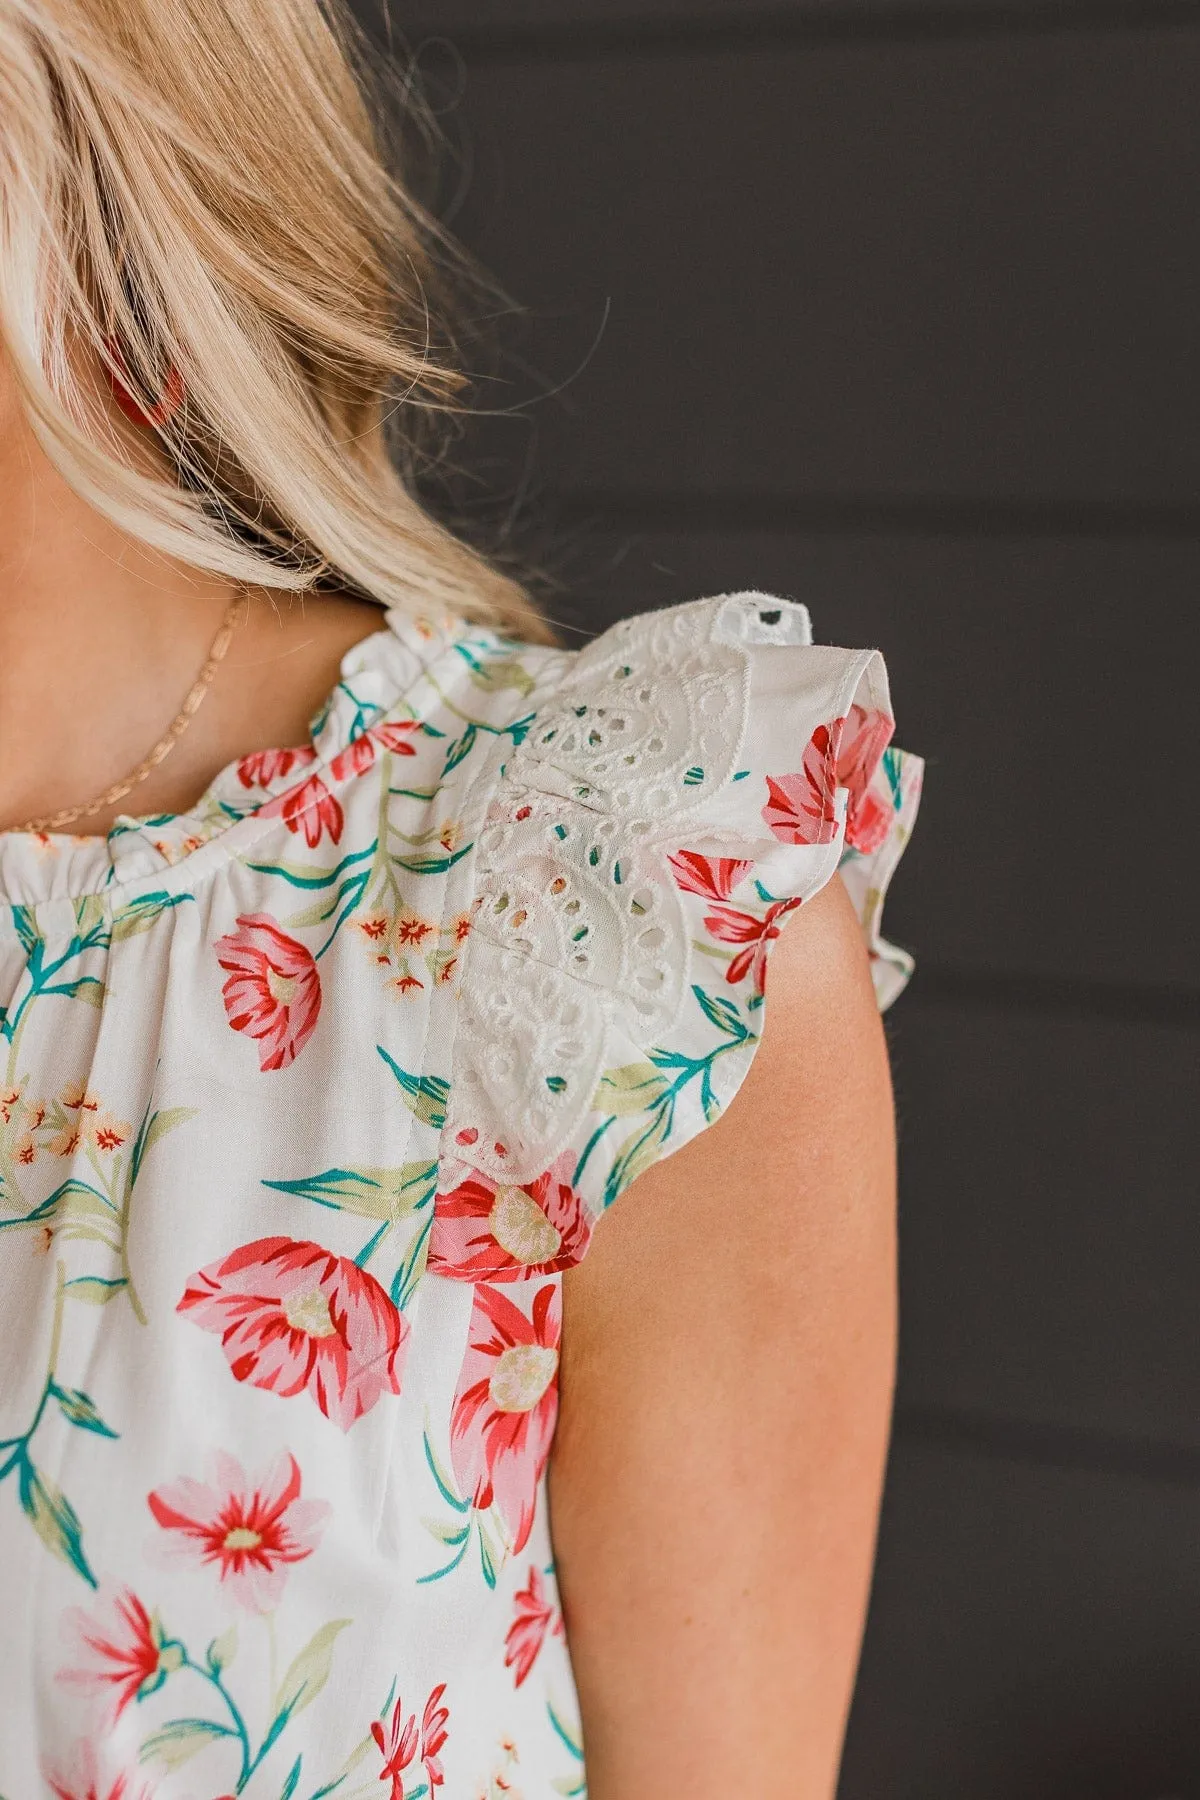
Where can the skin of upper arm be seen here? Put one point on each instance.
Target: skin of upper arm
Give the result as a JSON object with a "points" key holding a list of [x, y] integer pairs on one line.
{"points": [[726, 1386]]}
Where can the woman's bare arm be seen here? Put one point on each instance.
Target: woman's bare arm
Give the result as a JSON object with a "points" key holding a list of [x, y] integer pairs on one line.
{"points": [[728, 1357]]}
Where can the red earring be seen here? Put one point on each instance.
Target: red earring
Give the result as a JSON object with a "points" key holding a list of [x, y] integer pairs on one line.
{"points": [[163, 410]]}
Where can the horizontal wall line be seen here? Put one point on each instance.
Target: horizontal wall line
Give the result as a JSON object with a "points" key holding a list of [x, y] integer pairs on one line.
{"points": [[775, 28], [1059, 995], [871, 514], [1054, 1446]]}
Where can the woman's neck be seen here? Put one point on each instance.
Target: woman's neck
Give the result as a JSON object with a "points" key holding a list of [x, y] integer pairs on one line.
{"points": [[101, 638]]}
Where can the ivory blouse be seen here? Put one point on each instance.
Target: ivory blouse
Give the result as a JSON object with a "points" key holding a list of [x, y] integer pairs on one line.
{"points": [[307, 1098]]}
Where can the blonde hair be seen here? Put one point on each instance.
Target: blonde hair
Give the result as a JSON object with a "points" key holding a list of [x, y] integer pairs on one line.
{"points": [[199, 185]]}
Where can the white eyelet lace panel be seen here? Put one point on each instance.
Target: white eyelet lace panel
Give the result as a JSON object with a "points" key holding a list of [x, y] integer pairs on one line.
{"points": [[580, 935]]}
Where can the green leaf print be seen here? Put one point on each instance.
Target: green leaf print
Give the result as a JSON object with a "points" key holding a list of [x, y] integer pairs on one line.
{"points": [[506, 672], [633, 1088], [86, 987], [82, 1213], [447, 1531], [306, 1675], [386, 1194], [488, 1556], [424, 1095], [80, 1409], [181, 1739], [575, 1785], [305, 876], [140, 914], [53, 1518], [640, 1153], [721, 1012], [94, 1290], [155, 1126], [222, 1650]]}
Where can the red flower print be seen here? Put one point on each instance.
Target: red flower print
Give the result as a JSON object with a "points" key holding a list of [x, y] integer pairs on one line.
{"points": [[753, 933], [397, 1745], [293, 1317], [505, 1403], [309, 808], [399, 1742], [82, 1778], [393, 734], [274, 991], [488, 1230], [844, 753], [249, 1532], [527, 1633], [262, 767], [713, 877], [120, 1653], [434, 1720]]}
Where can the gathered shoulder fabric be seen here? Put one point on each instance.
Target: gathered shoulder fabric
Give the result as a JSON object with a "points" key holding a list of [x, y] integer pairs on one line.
{"points": [[307, 1099]]}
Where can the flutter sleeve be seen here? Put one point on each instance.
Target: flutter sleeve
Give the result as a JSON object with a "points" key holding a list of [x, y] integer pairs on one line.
{"points": [[685, 782]]}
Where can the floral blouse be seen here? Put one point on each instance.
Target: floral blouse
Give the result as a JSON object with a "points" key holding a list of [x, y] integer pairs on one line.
{"points": [[307, 1099]]}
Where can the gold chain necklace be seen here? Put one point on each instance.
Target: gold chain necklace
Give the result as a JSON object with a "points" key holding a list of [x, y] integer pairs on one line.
{"points": [[166, 743]]}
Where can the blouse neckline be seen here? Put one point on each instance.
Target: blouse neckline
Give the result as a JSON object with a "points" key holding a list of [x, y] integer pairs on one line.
{"points": [[375, 675]]}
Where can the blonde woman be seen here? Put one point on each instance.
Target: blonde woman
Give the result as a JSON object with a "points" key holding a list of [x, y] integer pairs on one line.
{"points": [[359, 949]]}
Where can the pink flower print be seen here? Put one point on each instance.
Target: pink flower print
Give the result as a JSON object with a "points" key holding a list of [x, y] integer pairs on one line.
{"points": [[534, 1618], [489, 1230], [713, 877], [251, 1532], [82, 1778], [263, 767], [274, 991], [309, 808], [120, 1653], [505, 1403], [393, 734], [293, 1317], [866, 737], [800, 808], [844, 753]]}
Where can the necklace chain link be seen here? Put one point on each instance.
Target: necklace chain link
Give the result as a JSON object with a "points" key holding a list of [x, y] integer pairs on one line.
{"points": [[68, 815]]}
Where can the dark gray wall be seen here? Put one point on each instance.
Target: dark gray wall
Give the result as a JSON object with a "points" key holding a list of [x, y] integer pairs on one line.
{"points": [[893, 307]]}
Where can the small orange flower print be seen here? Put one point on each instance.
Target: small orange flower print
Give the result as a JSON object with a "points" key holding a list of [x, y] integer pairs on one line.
{"points": [[373, 926], [108, 1133], [411, 928], [76, 1098]]}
